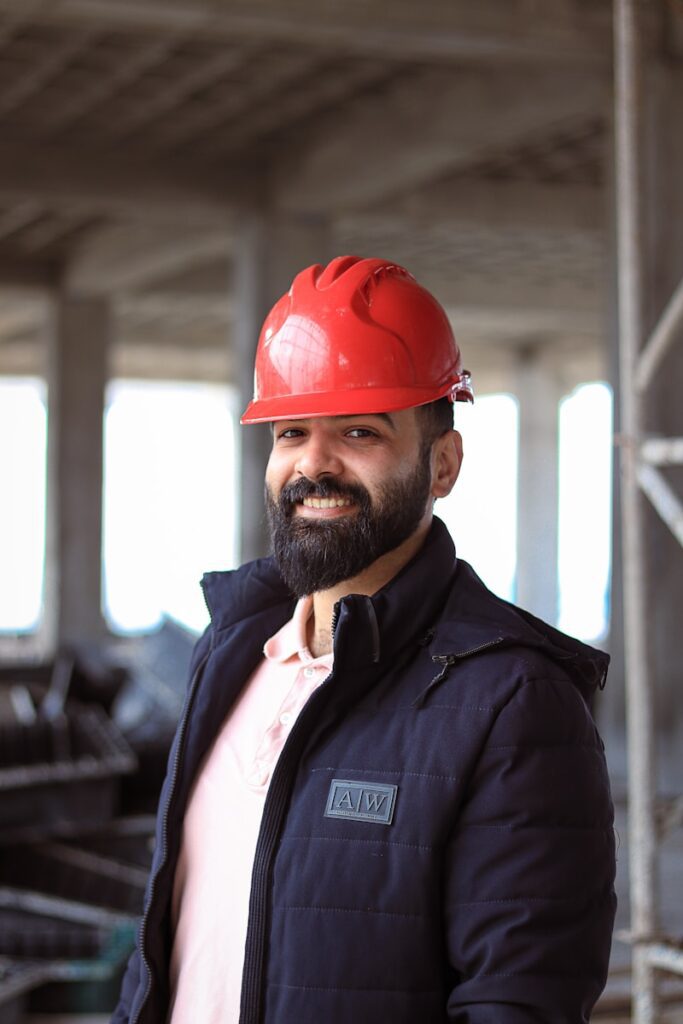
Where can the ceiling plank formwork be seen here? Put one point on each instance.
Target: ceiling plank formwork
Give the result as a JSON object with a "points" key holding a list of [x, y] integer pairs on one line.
{"points": [[127, 185], [441, 30], [429, 125]]}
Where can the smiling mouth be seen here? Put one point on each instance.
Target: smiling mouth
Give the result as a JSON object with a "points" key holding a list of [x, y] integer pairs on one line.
{"points": [[326, 502]]}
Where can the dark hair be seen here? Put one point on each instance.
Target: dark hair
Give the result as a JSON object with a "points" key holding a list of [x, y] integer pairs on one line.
{"points": [[435, 419]]}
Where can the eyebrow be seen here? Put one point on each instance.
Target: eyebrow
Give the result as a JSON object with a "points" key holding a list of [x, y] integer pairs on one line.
{"points": [[389, 420], [376, 415]]}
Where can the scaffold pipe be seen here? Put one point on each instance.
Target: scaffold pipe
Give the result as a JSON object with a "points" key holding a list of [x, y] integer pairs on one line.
{"points": [[642, 832]]}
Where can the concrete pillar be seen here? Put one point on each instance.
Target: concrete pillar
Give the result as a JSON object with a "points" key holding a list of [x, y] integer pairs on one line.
{"points": [[271, 249], [538, 391], [77, 374]]}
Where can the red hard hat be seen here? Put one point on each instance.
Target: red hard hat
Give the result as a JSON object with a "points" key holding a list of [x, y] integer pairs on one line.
{"points": [[358, 336]]}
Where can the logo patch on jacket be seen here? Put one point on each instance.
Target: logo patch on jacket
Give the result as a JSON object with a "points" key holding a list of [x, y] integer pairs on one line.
{"points": [[363, 801]]}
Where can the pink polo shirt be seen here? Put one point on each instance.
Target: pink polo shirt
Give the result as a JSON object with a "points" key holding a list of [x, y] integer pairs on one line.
{"points": [[213, 875]]}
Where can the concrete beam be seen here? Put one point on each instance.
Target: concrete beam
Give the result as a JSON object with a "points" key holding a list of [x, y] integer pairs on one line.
{"points": [[437, 31], [490, 205], [514, 322], [22, 358], [137, 359], [161, 305], [18, 271], [519, 296], [429, 126], [23, 316], [124, 258], [495, 360], [21, 313], [130, 185]]}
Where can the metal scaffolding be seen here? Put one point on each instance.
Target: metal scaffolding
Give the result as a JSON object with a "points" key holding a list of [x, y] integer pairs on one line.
{"points": [[641, 477]]}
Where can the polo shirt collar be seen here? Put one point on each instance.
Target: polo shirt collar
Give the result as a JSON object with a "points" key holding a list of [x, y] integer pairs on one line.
{"points": [[290, 640]]}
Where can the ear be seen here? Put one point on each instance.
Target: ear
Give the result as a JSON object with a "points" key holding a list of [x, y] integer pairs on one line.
{"points": [[446, 462]]}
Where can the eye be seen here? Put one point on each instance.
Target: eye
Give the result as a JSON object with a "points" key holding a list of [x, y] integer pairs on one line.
{"points": [[360, 432], [289, 433]]}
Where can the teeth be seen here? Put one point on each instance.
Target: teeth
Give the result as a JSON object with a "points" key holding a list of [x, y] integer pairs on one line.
{"points": [[326, 502]]}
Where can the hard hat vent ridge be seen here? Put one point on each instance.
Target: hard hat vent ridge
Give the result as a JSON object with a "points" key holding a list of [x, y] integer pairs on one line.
{"points": [[333, 271]]}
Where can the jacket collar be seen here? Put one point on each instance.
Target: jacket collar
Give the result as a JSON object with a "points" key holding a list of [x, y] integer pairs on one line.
{"points": [[253, 589], [435, 599], [402, 612], [377, 624]]}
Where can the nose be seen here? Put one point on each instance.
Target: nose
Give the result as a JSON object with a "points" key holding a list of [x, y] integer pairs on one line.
{"points": [[317, 458]]}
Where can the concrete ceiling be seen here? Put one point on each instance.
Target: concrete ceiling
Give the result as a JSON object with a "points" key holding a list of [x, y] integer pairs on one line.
{"points": [[469, 141]]}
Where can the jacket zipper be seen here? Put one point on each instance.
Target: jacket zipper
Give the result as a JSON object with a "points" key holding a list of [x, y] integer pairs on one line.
{"points": [[447, 661], [194, 684], [271, 826], [335, 619], [450, 659]]}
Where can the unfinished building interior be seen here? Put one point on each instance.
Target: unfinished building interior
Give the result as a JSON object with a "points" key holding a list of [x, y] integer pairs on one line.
{"points": [[167, 167]]}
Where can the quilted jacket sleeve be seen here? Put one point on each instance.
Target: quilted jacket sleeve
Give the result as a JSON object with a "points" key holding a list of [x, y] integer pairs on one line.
{"points": [[529, 890]]}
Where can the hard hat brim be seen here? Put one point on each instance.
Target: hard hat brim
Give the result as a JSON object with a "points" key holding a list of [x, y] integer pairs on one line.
{"points": [[350, 403]]}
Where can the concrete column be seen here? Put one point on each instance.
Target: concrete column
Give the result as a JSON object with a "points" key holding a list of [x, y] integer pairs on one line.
{"points": [[271, 249], [539, 392], [77, 374]]}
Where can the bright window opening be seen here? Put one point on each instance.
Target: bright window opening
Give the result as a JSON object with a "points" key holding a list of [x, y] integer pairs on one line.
{"points": [[170, 499], [23, 440], [585, 517], [481, 510]]}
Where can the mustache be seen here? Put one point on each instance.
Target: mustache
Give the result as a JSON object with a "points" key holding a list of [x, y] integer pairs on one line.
{"points": [[294, 493]]}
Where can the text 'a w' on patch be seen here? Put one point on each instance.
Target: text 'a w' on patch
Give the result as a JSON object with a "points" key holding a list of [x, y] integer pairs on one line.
{"points": [[361, 801]]}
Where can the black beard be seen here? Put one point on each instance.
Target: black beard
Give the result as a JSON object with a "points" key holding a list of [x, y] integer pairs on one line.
{"points": [[316, 554]]}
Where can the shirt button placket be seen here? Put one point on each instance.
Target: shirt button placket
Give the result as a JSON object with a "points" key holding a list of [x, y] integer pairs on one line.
{"points": [[260, 774]]}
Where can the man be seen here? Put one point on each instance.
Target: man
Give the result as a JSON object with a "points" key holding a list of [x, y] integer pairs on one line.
{"points": [[387, 800]]}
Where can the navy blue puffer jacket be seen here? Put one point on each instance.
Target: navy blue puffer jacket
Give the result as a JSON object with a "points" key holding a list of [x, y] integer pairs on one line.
{"points": [[437, 840]]}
